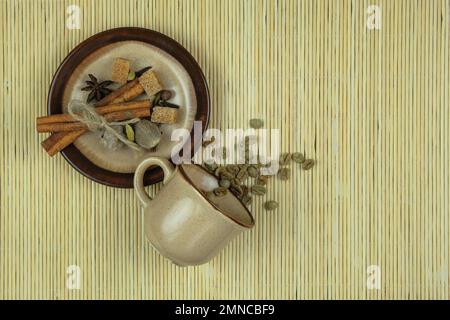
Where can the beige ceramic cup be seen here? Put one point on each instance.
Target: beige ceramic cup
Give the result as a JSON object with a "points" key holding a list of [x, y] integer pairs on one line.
{"points": [[180, 222]]}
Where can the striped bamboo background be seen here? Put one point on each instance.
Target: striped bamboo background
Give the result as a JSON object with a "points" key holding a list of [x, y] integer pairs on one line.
{"points": [[372, 106]]}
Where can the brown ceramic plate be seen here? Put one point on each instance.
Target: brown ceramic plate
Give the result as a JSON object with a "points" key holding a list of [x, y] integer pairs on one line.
{"points": [[179, 71]]}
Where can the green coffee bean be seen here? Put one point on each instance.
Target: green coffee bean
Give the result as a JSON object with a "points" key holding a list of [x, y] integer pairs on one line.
{"points": [[256, 123], [283, 174], [253, 171], [308, 164], [298, 157], [284, 159], [220, 191], [258, 190], [225, 183], [270, 205]]}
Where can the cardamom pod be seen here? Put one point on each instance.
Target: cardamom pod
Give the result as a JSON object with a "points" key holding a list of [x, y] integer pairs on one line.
{"points": [[131, 75], [129, 132]]}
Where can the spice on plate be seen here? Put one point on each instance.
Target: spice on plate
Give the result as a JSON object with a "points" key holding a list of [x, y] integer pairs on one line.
{"points": [[129, 132], [147, 134], [120, 70], [140, 72], [164, 115], [97, 90], [150, 82], [131, 75], [166, 95]]}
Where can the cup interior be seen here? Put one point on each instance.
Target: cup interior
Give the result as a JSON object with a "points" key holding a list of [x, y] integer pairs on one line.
{"points": [[229, 205]]}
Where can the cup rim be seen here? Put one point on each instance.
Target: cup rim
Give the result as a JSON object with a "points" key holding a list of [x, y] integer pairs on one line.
{"points": [[186, 177]]}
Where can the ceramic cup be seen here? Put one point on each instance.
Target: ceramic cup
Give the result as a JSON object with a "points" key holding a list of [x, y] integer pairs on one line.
{"points": [[181, 222]]}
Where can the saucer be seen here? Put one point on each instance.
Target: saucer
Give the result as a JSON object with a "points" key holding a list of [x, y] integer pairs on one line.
{"points": [[178, 72]]}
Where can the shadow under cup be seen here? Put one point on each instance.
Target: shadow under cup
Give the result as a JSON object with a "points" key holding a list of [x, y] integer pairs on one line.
{"points": [[188, 228]]}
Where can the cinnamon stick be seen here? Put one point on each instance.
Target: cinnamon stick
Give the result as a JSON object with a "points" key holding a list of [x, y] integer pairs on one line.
{"points": [[127, 92], [112, 116], [60, 118], [58, 141]]}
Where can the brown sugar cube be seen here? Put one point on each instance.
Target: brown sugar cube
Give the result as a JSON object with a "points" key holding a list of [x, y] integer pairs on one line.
{"points": [[120, 70], [164, 115], [150, 82]]}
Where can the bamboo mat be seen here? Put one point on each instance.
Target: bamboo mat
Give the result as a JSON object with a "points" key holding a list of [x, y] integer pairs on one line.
{"points": [[372, 106]]}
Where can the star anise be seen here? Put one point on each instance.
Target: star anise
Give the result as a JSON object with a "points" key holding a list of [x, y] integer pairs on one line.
{"points": [[98, 90]]}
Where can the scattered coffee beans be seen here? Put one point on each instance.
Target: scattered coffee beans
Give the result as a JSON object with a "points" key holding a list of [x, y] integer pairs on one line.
{"points": [[283, 174], [284, 159], [308, 164], [256, 123], [253, 171], [232, 177], [224, 183], [298, 157], [220, 191], [270, 205], [258, 190], [262, 180]]}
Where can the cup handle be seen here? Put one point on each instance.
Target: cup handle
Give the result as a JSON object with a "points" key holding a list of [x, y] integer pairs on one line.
{"points": [[164, 164]]}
